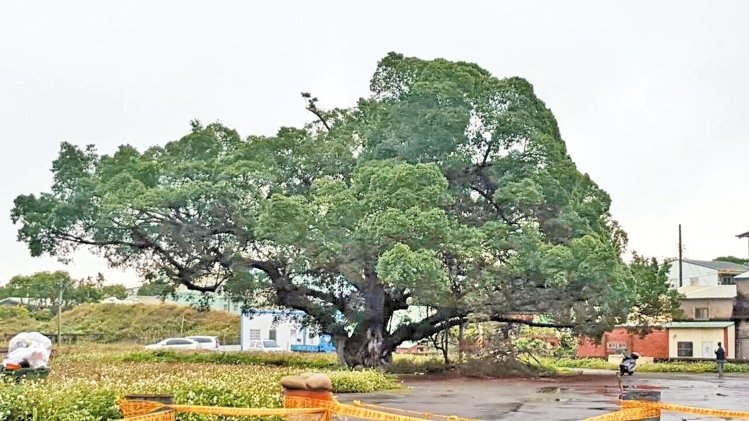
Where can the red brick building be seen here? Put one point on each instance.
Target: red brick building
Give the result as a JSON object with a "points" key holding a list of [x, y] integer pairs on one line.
{"points": [[654, 344]]}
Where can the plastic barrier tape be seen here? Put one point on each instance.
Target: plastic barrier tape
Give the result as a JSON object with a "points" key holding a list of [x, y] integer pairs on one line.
{"points": [[644, 409], [425, 415], [631, 414], [357, 411], [166, 415], [295, 406], [306, 408]]}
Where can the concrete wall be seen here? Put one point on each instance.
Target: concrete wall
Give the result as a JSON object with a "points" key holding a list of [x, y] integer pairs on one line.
{"points": [[719, 308], [742, 286], [692, 275], [742, 351], [702, 338], [654, 344], [742, 340]]}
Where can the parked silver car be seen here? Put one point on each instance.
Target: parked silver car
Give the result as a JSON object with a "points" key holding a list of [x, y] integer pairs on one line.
{"points": [[176, 344], [206, 342], [267, 345]]}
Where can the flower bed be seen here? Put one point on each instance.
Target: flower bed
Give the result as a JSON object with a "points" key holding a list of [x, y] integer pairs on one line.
{"points": [[85, 386]]}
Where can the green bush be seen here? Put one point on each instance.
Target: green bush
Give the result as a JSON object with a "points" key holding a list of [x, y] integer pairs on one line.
{"points": [[16, 319], [362, 381], [595, 363], [138, 355], [417, 364], [659, 367], [691, 367]]}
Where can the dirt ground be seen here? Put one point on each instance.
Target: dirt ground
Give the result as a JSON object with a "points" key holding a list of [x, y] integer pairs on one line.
{"points": [[566, 398]]}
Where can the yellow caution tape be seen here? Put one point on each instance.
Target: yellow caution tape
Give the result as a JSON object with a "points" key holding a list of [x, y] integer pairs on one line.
{"points": [[356, 410], [425, 415], [637, 410], [244, 412], [305, 408], [630, 414], [165, 415], [154, 411]]}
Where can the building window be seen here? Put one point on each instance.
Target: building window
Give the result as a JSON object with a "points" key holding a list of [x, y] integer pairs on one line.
{"points": [[254, 334], [727, 280], [616, 347], [272, 334], [684, 349], [702, 313], [694, 280]]}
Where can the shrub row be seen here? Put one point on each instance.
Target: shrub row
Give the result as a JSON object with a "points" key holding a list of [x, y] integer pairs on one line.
{"points": [[658, 367]]}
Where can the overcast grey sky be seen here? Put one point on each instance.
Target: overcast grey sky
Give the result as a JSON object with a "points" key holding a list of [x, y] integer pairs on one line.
{"points": [[651, 97]]}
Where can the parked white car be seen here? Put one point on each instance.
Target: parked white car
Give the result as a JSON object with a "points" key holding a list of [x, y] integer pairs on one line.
{"points": [[267, 345], [176, 343], [206, 342]]}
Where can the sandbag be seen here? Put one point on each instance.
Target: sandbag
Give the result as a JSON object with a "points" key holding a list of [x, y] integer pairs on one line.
{"points": [[294, 382], [319, 382]]}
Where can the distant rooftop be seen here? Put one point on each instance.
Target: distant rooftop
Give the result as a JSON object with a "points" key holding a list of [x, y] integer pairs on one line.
{"points": [[714, 291], [699, 325], [744, 275], [11, 301], [719, 265]]}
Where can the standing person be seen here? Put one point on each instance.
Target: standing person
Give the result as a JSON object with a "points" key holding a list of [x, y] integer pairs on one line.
{"points": [[720, 358]]}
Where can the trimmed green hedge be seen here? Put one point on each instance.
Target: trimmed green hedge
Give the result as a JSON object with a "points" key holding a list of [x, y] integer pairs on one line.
{"points": [[659, 367]]}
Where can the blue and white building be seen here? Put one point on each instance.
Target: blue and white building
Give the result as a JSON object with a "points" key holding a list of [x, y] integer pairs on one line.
{"points": [[286, 327]]}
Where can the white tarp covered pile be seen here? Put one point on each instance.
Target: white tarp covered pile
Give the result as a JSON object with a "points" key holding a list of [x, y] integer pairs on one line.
{"points": [[28, 350]]}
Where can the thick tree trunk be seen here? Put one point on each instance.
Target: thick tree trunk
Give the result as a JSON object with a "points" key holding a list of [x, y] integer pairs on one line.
{"points": [[369, 345], [369, 349], [340, 348], [461, 340], [446, 346]]}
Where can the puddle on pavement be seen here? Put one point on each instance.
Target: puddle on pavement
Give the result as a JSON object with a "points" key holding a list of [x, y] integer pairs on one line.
{"points": [[552, 389], [556, 399], [645, 387]]}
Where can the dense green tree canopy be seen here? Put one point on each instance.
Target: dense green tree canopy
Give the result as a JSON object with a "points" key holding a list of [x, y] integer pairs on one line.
{"points": [[733, 259], [656, 300], [45, 289], [446, 187], [156, 288]]}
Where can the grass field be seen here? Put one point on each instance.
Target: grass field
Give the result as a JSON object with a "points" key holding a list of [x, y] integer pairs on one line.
{"points": [[124, 323]]}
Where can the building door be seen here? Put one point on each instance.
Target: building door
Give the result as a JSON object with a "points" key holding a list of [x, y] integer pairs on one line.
{"points": [[707, 350]]}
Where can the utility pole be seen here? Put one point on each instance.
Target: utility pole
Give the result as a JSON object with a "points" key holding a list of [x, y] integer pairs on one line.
{"points": [[744, 235], [681, 283], [59, 314]]}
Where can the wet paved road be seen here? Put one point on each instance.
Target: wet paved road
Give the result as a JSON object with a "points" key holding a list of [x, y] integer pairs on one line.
{"points": [[572, 398]]}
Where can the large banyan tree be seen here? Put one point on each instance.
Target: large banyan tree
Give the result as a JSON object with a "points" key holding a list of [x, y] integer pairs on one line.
{"points": [[446, 187]]}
